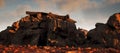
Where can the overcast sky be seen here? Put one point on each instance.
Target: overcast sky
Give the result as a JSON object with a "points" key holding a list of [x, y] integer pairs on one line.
{"points": [[85, 12]]}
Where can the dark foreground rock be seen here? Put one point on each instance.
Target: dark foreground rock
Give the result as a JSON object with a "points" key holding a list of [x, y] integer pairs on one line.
{"points": [[39, 28]]}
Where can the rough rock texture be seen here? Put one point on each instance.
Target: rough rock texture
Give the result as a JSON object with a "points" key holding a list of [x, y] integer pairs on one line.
{"points": [[39, 28], [49, 49], [106, 35]]}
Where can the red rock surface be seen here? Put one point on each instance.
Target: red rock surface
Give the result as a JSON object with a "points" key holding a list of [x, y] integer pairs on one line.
{"points": [[48, 49]]}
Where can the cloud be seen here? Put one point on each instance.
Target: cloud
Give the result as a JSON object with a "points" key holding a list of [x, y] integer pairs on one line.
{"points": [[2, 3], [112, 1], [74, 5], [20, 10], [48, 5], [66, 5], [8, 18]]}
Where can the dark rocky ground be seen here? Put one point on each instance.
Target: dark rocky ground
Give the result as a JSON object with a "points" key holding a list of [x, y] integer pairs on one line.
{"points": [[48, 49]]}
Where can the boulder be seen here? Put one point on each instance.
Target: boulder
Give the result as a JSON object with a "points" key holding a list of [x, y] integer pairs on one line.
{"points": [[106, 35]]}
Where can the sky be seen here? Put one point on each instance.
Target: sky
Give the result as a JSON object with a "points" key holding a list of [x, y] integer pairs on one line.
{"points": [[86, 12]]}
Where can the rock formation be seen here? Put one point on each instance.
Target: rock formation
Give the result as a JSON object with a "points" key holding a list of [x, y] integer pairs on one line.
{"points": [[39, 28], [106, 35]]}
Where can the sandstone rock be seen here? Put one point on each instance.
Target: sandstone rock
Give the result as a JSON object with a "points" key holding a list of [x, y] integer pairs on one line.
{"points": [[106, 35], [39, 28]]}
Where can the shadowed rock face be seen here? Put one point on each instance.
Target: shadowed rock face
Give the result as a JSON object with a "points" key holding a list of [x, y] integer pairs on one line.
{"points": [[41, 28], [114, 21], [106, 35]]}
